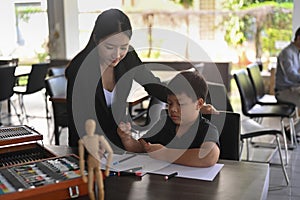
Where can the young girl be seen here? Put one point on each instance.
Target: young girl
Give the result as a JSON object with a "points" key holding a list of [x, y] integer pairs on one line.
{"points": [[182, 136]]}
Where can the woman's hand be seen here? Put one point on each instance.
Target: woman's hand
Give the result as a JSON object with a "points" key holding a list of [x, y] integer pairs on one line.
{"points": [[208, 109], [130, 144], [124, 130]]}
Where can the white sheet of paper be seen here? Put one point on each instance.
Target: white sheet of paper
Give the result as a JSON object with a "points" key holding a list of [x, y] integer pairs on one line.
{"points": [[150, 165], [203, 173]]}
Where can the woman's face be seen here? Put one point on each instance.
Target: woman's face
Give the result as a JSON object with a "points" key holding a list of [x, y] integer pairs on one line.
{"points": [[113, 49]]}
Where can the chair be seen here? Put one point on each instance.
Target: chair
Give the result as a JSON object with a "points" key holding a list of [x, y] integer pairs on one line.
{"points": [[11, 62], [151, 113], [228, 125], [146, 117], [7, 82], [229, 122], [56, 71], [252, 129], [56, 88], [253, 109], [31, 83], [217, 96], [258, 85], [259, 88], [59, 62]]}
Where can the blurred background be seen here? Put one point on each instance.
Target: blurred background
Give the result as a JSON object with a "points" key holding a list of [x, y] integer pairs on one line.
{"points": [[236, 31]]}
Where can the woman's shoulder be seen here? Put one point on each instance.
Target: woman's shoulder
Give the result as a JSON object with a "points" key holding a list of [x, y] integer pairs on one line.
{"points": [[77, 61], [74, 65]]}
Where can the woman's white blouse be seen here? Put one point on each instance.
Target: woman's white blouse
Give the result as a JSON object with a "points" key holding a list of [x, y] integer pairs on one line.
{"points": [[109, 96]]}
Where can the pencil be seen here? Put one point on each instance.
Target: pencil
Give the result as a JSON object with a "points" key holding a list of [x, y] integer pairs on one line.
{"points": [[122, 160]]}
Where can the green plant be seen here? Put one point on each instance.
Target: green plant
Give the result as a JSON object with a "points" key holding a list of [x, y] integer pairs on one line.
{"points": [[261, 22], [234, 34], [185, 3], [236, 27], [154, 54], [23, 13], [272, 36], [42, 56], [277, 28]]}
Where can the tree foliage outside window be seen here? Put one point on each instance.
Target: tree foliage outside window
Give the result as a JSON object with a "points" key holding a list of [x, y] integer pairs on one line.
{"points": [[238, 28], [263, 22], [251, 21], [185, 3], [24, 13], [278, 29]]}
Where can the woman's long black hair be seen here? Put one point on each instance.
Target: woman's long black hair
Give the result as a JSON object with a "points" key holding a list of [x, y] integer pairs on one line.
{"points": [[109, 22]]}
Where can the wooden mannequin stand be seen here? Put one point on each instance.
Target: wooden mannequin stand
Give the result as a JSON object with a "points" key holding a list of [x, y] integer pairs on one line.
{"points": [[96, 145]]}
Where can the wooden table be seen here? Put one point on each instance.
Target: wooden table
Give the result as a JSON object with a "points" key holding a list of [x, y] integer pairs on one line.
{"points": [[236, 181]]}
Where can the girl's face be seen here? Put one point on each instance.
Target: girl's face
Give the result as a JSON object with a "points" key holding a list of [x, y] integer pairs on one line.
{"points": [[182, 110], [113, 49]]}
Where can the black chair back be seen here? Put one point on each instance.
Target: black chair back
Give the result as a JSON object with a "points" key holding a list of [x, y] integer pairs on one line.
{"points": [[7, 81], [247, 94], [56, 86], [11, 62], [228, 125], [230, 135], [256, 80], [227, 122], [217, 96], [36, 79], [56, 71], [147, 117]]}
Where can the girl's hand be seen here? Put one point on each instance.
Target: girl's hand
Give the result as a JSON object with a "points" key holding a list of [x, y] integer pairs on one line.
{"points": [[154, 150]]}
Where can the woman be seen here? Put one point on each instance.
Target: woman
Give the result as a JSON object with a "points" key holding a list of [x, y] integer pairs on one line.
{"points": [[113, 63]]}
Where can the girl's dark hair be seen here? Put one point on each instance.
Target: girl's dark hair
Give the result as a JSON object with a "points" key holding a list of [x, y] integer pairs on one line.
{"points": [[191, 83], [110, 22]]}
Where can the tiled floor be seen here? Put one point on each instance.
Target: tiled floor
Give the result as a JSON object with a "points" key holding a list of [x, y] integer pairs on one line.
{"points": [[35, 108], [278, 190]]}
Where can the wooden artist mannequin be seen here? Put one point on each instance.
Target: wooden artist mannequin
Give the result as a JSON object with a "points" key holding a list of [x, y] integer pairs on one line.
{"points": [[96, 145]]}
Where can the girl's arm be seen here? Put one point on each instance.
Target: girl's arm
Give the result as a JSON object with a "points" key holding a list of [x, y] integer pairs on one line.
{"points": [[207, 155]]}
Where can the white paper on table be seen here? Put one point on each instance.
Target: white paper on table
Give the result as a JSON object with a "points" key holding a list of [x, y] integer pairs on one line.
{"points": [[200, 173], [150, 165]]}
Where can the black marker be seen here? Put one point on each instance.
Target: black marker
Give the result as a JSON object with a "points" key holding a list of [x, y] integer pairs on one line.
{"points": [[167, 177], [124, 173]]}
